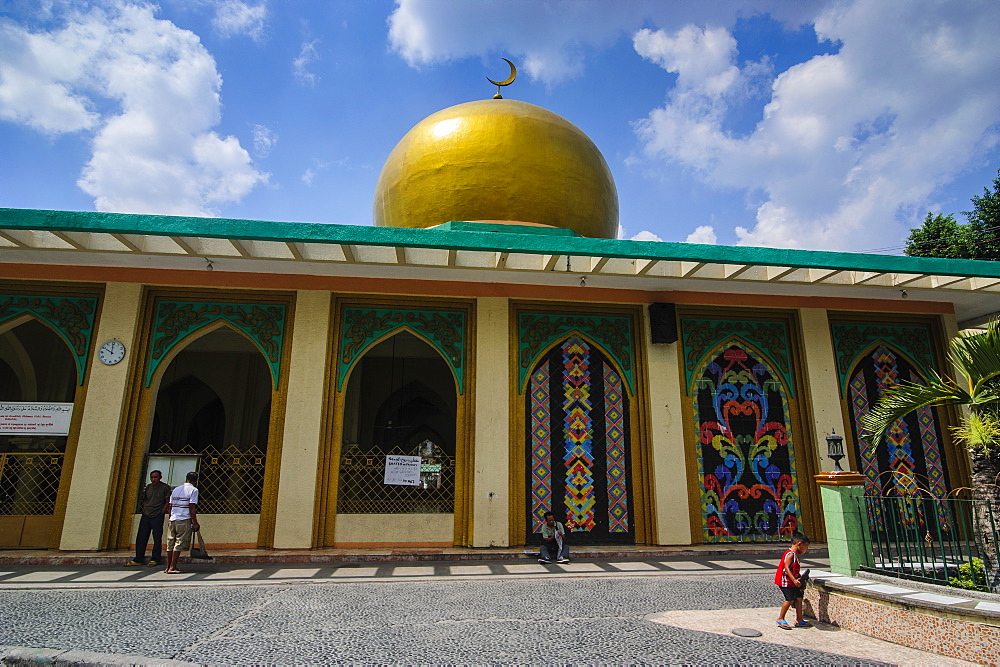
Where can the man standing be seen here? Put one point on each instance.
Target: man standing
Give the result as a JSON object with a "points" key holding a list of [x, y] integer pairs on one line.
{"points": [[553, 541], [183, 520], [154, 505]]}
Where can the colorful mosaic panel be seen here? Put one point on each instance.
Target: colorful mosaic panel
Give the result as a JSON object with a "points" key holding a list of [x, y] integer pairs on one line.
{"points": [[911, 461], [541, 447], [72, 318], [578, 439], [745, 457], [614, 427]]}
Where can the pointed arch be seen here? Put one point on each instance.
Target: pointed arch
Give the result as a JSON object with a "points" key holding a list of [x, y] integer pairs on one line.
{"points": [[357, 357], [155, 373], [443, 329], [578, 443], [72, 319], [262, 323], [745, 455], [612, 332], [912, 460], [570, 333]]}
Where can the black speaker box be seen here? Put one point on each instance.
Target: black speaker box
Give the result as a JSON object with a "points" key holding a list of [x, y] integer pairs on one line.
{"points": [[662, 322]]}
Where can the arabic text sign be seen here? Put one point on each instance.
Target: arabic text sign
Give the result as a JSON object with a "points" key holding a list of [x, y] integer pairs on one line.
{"points": [[402, 470], [35, 418]]}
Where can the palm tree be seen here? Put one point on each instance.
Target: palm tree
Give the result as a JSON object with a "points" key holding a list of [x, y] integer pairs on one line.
{"points": [[976, 356]]}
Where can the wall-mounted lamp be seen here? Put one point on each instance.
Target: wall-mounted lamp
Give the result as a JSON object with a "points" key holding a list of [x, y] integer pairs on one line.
{"points": [[835, 449], [903, 293], [583, 281], [208, 264]]}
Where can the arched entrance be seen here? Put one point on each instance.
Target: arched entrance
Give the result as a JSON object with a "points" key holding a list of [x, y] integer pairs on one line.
{"points": [[36, 367], [400, 400], [912, 457], [578, 442], [211, 416], [746, 460]]}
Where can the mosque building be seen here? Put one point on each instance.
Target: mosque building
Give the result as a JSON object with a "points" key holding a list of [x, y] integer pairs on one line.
{"points": [[486, 352]]}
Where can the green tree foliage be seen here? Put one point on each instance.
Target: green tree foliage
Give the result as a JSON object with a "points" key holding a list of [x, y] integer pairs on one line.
{"points": [[943, 236], [976, 356]]}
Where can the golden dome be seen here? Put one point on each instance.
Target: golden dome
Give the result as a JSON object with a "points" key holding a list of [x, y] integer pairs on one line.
{"points": [[497, 160]]}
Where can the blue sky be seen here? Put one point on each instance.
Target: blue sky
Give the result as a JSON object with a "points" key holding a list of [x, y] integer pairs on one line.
{"points": [[834, 125]]}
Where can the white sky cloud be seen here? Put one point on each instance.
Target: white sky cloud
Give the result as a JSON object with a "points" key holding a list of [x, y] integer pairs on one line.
{"points": [[645, 235], [233, 18], [300, 65], [849, 145], [263, 140], [702, 234], [847, 140], [153, 145]]}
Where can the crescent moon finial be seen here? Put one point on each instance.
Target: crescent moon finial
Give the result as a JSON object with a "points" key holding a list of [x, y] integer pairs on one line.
{"points": [[506, 82]]}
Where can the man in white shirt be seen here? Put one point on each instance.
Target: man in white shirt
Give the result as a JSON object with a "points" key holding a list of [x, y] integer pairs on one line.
{"points": [[183, 509]]}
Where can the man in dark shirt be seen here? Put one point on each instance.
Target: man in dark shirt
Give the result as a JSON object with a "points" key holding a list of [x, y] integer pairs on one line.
{"points": [[154, 504]]}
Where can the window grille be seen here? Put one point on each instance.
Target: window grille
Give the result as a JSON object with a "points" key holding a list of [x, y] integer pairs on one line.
{"points": [[362, 489], [29, 483]]}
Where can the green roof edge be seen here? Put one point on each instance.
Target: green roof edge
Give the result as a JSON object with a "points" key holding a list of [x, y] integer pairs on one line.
{"points": [[491, 241]]}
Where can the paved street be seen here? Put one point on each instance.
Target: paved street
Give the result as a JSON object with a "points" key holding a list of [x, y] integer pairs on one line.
{"points": [[613, 612]]}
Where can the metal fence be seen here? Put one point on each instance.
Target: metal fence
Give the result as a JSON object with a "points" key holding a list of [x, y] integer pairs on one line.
{"points": [[29, 483], [364, 491], [947, 541]]}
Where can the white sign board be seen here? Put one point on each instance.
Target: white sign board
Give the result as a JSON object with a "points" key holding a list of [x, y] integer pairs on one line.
{"points": [[402, 470], [35, 418]]}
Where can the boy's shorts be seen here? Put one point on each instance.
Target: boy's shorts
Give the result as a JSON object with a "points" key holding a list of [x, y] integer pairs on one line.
{"points": [[791, 593], [179, 535]]}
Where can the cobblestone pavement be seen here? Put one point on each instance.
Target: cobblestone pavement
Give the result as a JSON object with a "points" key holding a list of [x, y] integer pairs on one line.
{"points": [[585, 613]]}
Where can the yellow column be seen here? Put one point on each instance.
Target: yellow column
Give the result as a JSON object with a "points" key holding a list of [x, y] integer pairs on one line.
{"points": [[821, 377], [102, 416], [303, 421], [491, 478], [667, 419]]}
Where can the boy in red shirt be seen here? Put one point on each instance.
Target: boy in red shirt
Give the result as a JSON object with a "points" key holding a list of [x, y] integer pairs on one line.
{"points": [[789, 581]]}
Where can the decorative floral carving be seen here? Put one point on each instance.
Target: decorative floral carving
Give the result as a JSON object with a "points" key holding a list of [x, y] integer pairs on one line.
{"points": [[850, 341], [445, 329], [71, 317], [701, 336], [538, 331], [263, 323]]}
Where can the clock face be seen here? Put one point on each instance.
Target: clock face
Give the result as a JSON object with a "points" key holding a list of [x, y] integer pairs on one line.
{"points": [[111, 352]]}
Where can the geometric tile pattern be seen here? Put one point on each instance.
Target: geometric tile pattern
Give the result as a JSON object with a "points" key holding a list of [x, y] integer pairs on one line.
{"points": [[541, 446], [614, 425], [578, 434]]}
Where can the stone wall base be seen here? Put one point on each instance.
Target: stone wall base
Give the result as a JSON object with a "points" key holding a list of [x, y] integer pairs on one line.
{"points": [[943, 632]]}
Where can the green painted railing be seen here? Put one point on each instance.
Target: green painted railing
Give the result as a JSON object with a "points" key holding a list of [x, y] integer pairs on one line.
{"points": [[945, 541]]}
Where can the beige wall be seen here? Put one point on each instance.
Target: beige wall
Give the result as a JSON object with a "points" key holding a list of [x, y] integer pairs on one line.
{"points": [[303, 422], [491, 477], [668, 409], [824, 387], [102, 417], [234, 529], [395, 529]]}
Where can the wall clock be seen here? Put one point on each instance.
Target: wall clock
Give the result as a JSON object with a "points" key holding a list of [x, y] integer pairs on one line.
{"points": [[111, 352]]}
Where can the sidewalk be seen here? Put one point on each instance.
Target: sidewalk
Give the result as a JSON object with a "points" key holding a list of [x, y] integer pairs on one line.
{"points": [[30, 557]]}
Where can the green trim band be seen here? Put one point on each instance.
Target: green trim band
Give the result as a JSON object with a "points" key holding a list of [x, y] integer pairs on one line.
{"points": [[489, 241]]}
